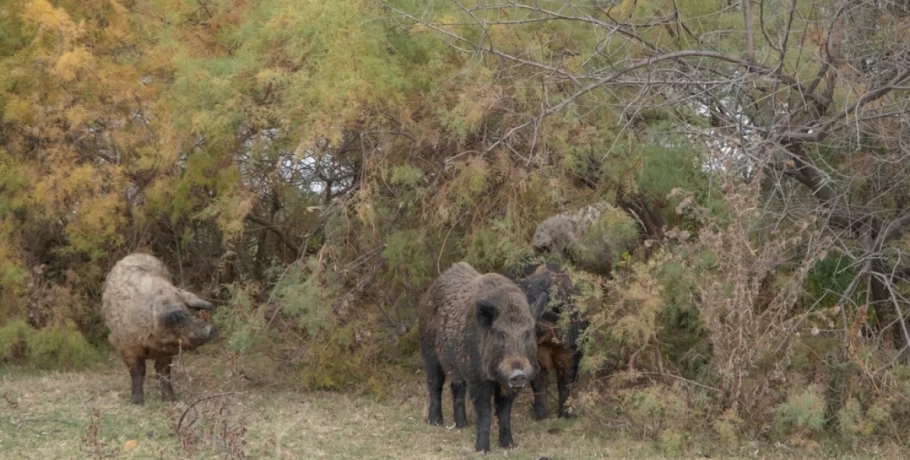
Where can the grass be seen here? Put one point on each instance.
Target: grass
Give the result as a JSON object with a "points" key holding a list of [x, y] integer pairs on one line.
{"points": [[87, 415]]}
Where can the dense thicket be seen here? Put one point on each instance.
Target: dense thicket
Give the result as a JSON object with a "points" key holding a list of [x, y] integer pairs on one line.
{"points": [[312, 166]]}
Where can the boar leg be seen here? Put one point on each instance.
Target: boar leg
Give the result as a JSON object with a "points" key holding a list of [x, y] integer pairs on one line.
{"points": [[163, 369], [480, 396], [436, 377], [539, 386], [458, 397], [136, 364], [504, 400], [563, 384], [565, 378]]}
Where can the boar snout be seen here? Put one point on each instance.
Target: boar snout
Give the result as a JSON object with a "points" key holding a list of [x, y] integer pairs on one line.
{"points": [[517, 373], [518, 379]]}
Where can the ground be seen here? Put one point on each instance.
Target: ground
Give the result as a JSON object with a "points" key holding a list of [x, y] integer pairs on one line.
{"points": [[86, 414]]}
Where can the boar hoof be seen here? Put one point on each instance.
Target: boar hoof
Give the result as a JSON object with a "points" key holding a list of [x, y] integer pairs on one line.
{"points": [[506, 442]]}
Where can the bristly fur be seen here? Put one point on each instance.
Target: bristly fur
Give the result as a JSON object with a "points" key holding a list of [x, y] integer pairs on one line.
{"points": [[568, 234], [558, 351], [476, 330]]}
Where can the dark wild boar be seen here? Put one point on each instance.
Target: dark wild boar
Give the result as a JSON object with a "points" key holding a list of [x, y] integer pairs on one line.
{"points": [[478, 331], [149, 318], [557, 352]]}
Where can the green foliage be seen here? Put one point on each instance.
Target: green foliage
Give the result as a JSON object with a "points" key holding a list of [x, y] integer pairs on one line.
{"points": [[470, 181], [671, 442], [668, 162], [728, 427], [13, 338], [828, 278], [802, 413], [332, 365], [312, 165], [301, 298], [657, 413], [608, 240], [240, 322], [53, 347], [496, 246], [405, 175], [683, 338], [853, 422], [61, 347], [409, 262]]}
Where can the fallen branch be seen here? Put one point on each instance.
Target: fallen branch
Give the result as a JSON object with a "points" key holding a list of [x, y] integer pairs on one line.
{"points": [[191, 406]]}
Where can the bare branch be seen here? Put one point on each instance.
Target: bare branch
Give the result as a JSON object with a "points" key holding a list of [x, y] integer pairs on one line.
{"points": [[270, 227], [884, 278], [818, 133], [491, 50], [747, 18], [194, 403]]}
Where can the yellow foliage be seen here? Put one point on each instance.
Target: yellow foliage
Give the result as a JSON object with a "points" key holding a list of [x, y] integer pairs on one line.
{"points": [[63, 187], [366, 213], [639, 304], [71, 62], [42, 14], [18, 110], [118, 24], [97, 221], [477, 102], [230, 213], [77, 115]]}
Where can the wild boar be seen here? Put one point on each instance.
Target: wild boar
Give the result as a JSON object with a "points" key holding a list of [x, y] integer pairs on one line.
{"points": [[557, 351], [477, 331], [149, 318], [570, 235]]}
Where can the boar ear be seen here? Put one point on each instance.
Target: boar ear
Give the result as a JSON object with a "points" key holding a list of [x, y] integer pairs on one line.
{"points": [[194, 302], [172, 318], [540, 303], [199, 304], [486, 313]]}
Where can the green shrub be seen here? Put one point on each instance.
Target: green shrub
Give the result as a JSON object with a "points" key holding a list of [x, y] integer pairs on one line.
{"points": [[727, 427], [332, 364], [656, 412], [854, 422], [13, 340], [240, 323], [801, 413], [60, 347], [671, 442]]}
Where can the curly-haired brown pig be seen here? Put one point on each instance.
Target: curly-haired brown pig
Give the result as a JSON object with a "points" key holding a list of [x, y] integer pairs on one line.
{"points": [[478, 331], [558, 351], [149, 318]]}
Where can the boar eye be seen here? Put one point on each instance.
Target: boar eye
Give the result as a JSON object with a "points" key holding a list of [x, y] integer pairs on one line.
{"points": [[526, 336]]}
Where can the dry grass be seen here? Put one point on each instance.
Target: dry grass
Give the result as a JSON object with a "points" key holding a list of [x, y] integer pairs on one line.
{"points": [[87, 415]]}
